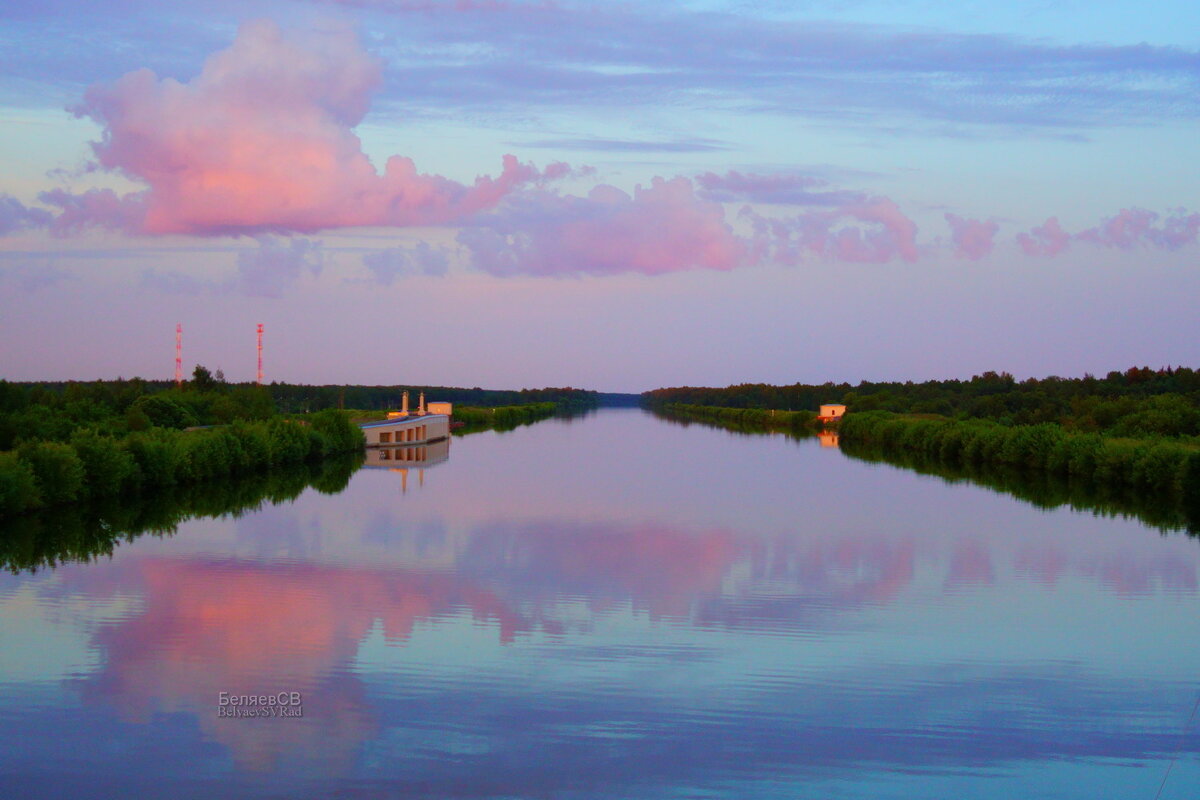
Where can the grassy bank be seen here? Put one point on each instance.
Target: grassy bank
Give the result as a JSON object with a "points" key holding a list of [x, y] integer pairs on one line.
{"points": [[1158, 469], [743, 418], [92, 464]]}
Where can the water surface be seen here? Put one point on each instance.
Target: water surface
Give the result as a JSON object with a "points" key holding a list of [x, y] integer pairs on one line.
{"points": [[615, 607]]}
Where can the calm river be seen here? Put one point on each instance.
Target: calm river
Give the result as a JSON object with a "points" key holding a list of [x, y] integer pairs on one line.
{"points": [[614, 606]]}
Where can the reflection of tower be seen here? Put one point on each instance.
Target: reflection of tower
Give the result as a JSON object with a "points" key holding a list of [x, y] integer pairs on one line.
{"points": [[260, 371], [404, 478]]}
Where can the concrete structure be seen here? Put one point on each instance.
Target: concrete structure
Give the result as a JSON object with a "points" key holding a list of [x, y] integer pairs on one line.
{"points": [[831, 412], [407, 430], [441, 408]]}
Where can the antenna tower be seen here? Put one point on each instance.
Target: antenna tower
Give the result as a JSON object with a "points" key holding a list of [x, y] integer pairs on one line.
{"points": [[260, 372], [178, 354]]}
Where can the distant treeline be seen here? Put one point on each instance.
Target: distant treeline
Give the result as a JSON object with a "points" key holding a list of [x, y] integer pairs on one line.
{"points": [[88, 530], [1160, 471], [1137, 402], [297, 397], [285, 398]]}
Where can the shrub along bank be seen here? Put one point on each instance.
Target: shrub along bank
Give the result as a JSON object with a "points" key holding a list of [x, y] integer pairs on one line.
{"points": [[1164, 468], [92, 465], [765, 419], [503, 416]]}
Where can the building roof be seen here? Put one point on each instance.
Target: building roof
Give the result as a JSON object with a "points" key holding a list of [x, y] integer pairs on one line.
{"points": [[401, 420]]}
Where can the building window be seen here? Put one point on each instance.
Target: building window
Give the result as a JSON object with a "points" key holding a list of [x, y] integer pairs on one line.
{"points": [[385, 438]]}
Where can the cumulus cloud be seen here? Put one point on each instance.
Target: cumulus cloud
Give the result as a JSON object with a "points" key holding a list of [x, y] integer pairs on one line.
{"points": [[663, 227], [16, 216], [102, 208], [874, 230], [1135, 227], [1127, 229], [775, 189], [973, 239], [262, 140], [1047, 239], [396, 262]]}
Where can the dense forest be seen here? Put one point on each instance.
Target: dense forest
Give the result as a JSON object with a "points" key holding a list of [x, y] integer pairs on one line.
{"points": [[299, 397], [287, 398], [1137, 402]]}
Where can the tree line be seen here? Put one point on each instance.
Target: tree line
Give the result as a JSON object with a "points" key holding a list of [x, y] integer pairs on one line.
{"points": [[1137, 402], [111, 438]]}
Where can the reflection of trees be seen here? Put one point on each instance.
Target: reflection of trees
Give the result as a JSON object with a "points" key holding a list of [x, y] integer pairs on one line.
{"points": [[87, 531], [1040, 488]]}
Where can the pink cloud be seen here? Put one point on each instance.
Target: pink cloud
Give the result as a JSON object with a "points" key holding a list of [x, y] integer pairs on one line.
{"points": [[874, 230], [661, 228], [973, 239], [1133, 227], [1129, 228], [96, 207], [262, 140], [1047, 239]]}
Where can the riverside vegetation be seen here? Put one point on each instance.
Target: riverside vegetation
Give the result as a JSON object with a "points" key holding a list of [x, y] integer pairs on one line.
{"points": [[112, 439], [1129, 442], [743, 419], [70, 443]]}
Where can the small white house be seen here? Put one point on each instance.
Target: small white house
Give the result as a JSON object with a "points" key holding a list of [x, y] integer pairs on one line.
{"points": [[831, 411]]}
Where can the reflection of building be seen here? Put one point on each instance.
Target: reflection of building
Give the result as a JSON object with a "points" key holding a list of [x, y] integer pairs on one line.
{"points": [[828, 439], [402, 458], [425, 455], [831, 412]]}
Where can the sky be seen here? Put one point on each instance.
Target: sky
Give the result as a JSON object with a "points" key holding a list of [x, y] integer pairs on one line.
{"points": [[617, 196]]}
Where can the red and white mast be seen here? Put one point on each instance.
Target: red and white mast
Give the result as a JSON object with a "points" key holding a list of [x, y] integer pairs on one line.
{"points": [[260, 369], [178, 354]]}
